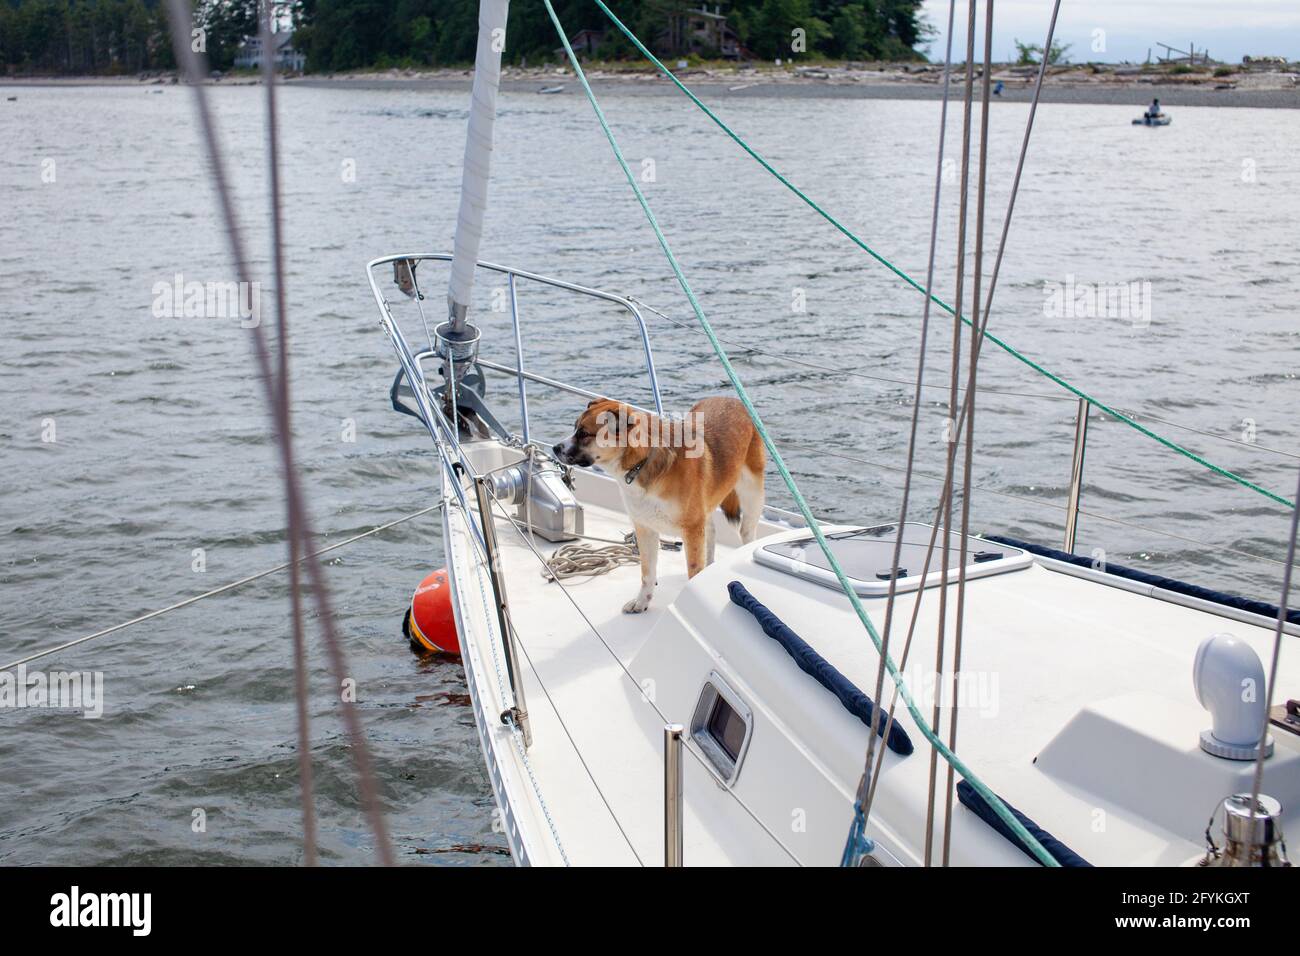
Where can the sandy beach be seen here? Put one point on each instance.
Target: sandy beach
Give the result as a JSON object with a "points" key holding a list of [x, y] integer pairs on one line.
{"points": [[1273, 86]]}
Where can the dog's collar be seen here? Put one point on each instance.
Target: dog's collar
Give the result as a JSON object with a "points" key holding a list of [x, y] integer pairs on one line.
{"points": [[634, 471]]}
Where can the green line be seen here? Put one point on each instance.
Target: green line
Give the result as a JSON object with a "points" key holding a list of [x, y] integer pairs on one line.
{"points": [[990, 797], [1168, 443]]}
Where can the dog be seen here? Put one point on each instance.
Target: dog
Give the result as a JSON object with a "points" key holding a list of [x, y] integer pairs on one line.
{"points": [[672, 475]]}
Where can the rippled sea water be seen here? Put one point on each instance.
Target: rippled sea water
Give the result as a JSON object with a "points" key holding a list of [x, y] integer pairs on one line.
{"points": [[161, 466]]}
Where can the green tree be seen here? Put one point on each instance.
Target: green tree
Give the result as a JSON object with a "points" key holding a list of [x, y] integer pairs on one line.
{"points": [[98, 36], [1031, 54], [781, 27], [849, 32]]}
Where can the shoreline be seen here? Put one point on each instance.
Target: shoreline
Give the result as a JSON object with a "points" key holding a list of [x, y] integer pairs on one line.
{"points": [[1116, 85]]}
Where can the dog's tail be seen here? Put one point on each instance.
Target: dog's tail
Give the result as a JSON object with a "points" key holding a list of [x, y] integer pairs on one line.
{"points": [[731, 507]]}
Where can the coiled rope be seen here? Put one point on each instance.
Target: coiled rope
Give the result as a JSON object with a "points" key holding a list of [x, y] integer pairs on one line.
{"points": [[586, 560], [778, 462], [848, 233]]}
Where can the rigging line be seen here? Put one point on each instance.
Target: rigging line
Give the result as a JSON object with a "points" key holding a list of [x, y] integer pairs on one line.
{"points": [[954, 432], [189, 60], [864, 783], [1258, 781], [300, 687], [526, 538], [979, 331], [968, 467], [1005, 346], [984, 389], [995, 803], [217, 590], [907, 647]]}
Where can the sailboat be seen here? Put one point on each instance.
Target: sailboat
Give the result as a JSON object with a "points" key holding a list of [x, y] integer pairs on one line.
{"points": [[1105, 714]]}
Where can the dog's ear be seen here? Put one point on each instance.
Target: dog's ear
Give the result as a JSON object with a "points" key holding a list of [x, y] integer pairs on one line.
{"points": [[609, 428], [641, 429]]}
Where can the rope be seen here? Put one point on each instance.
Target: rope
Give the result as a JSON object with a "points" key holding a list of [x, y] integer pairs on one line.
{"points": [[848, 233], [977, 332], [584, 560], [306, 782], [852, 848], [220, 590], [858, 846], [945, 507], [193, 63], [998, 807]]}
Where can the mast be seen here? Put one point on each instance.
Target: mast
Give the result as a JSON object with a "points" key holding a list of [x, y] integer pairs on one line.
{"points": [[457, 338]]}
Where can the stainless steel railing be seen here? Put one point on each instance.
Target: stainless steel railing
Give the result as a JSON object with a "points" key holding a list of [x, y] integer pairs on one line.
{"points": [[410, 263], [1076, 475], [673, 804]]}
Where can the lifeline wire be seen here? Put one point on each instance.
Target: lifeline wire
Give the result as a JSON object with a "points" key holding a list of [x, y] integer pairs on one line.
{"points": [[218, 590], [985, 389]]}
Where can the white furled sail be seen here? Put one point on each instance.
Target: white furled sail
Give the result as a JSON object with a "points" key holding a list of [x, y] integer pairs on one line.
{"points": [[478, 157]]}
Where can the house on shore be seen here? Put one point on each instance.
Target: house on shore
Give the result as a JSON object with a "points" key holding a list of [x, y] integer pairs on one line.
{"points": [[584, 43], [702, 32], [287, 59]]}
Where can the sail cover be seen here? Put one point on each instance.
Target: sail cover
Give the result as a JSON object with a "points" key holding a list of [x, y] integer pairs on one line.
{"points": [[478, 156]]}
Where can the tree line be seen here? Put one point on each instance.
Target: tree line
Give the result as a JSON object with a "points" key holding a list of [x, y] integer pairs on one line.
{"points": [[109, 37], [131, 36]]}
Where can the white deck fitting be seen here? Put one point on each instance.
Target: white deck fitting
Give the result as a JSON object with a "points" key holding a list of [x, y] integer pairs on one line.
{"points": [[1091, 681]]}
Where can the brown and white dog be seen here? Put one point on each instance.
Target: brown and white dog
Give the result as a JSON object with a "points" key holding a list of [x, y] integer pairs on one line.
{"points": [[672, 475]]}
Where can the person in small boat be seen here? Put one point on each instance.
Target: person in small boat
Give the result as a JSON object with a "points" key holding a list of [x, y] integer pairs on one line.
{"points": [[1154, 111]]}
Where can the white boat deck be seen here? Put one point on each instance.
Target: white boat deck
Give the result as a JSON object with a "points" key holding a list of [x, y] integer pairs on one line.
{"points": [[1079, 712]]}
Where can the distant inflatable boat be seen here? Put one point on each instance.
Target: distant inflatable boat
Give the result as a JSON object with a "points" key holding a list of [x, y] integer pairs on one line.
{"points": [[1161, 120]]}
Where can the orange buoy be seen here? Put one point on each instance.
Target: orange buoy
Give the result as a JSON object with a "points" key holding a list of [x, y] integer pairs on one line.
{"points": [[430, 622]]}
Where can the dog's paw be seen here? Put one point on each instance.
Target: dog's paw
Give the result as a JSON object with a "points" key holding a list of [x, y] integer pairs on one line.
{"points": [[636, 605]]}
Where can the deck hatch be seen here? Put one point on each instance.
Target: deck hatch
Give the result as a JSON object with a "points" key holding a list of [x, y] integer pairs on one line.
{"points": [[721, 727], [865, 555]]}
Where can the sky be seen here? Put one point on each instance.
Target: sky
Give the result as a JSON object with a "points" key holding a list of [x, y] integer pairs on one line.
{"points": [[1229, 28]]}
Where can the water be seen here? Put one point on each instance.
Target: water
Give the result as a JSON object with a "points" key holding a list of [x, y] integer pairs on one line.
{"points": [[161, 442]]}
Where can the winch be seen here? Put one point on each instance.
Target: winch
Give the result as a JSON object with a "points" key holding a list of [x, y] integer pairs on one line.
{"points": [[1249, 839], [537, 488]]}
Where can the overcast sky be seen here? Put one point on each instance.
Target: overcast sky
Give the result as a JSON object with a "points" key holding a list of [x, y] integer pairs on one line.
{"points": [[1229, 28]]}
